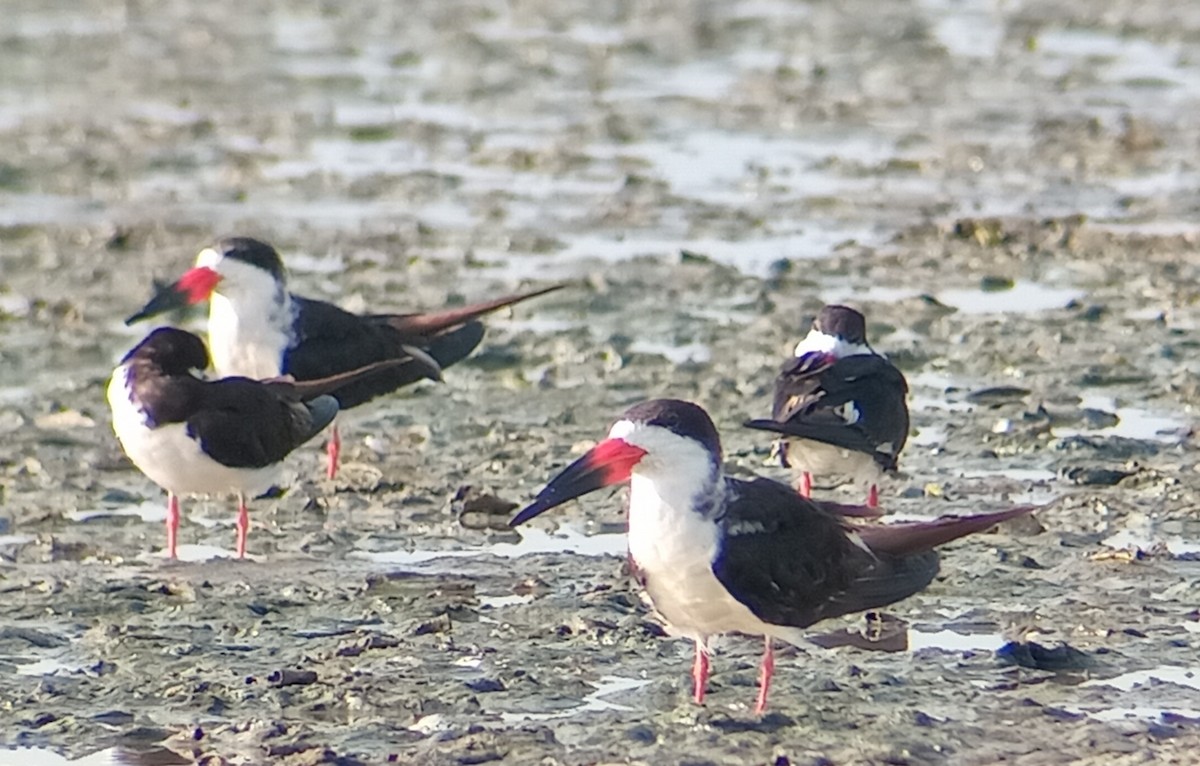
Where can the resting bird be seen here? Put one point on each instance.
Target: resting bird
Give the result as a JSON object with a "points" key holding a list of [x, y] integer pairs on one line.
{"points": [[229, 436], [258, 329], [840, 406]]}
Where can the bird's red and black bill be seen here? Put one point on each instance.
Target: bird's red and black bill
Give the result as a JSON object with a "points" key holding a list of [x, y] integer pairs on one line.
{"points": [[195, 286], [609, 462]]}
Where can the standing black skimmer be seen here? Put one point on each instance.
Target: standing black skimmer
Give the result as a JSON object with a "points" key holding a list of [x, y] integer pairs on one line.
{"points": [[841, 405], [721, 555], [257, 329], [195, 436]]}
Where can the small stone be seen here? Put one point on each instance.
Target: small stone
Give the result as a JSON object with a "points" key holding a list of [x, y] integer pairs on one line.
{"points": [[486, 685]]}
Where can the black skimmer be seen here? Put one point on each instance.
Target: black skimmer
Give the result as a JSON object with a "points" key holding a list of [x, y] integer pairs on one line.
{"points": [[724, 555], [840, 405], [257, 329], [229, 436]]}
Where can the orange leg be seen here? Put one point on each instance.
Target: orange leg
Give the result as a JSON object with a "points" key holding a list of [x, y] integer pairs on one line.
{"points": [[172, 523], [243, 527], [873, 497], [700, 673], [805, 486], [764, 678], [334, 450]]}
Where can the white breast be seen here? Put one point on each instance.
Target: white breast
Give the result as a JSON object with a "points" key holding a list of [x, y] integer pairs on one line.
{"points": [[172, 459], [674, 547], [247, 339]]}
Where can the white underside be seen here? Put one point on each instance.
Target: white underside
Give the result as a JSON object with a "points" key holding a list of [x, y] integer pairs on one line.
{"points": [[172, 459], [674, 546], [829, 464]]}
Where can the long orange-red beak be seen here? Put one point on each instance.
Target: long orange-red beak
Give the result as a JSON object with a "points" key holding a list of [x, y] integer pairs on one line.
{"points": [[195, 286], [609, 462]]}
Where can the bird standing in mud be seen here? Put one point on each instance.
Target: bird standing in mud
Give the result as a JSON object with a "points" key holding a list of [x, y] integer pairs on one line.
{"points": [[840, 406], [721, 555], [195, 436], [257, 329]]}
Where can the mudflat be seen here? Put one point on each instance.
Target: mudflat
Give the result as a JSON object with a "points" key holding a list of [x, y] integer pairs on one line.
{"points": [[1009, 193]]}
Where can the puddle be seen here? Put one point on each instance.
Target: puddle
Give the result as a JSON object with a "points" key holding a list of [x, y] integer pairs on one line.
{"points": [[1143, 540], [1171, 674], [14, 394], [37, 756], [952, 641], [500, 602], [867, 294], [148, 511], [533, 540], [1108, 715], [966, 28], [43, 667], [929, 436], [1132, 422], [1021, 298], [888, 633], [687, 353], [594, 702], [15, 539], [930, 390], [754, 257], [1034, 475]]}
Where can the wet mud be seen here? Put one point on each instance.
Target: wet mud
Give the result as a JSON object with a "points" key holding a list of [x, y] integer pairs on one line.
{"points": [[1009, 193]]}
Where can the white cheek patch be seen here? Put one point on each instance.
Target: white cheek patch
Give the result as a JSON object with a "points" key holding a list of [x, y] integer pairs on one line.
{"points": [[817, 341], [208, 259], [621, 429]]}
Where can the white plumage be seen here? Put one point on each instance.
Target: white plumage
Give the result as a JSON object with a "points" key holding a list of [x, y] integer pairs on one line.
{"points": [[173, 459], [676, 492]]}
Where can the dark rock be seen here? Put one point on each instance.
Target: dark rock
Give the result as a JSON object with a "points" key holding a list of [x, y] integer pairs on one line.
{"points": [[486, 685], [291, 677], [1030, 654], [996, 395], [1094, 477], [642, 733]]}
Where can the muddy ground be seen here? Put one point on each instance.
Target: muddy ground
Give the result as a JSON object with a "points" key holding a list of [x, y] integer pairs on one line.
{"points": [[1008, 190]]}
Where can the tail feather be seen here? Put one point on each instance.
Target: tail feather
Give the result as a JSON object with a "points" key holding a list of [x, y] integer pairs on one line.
{"points": [[916, 537], [322, 410], [435, 322], [306, 390]]}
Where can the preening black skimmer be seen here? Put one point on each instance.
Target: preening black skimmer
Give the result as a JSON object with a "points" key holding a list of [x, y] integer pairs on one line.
{"points": [[721, 555], [229, 436], [257, 329], [840, 406]]}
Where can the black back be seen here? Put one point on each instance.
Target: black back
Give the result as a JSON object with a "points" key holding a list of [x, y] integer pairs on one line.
{"points": [[793, 563], [329, 341], [254, 252], [240, 423], [812, 390]]}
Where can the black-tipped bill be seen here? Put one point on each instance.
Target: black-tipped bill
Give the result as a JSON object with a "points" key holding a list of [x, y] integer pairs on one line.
{"points": [[609, 462], [193, 287]]}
